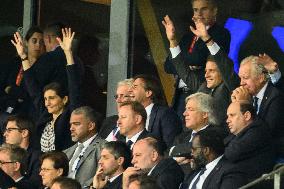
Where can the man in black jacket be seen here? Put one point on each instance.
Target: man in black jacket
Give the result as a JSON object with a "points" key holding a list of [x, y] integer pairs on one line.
{"points": [[148, 158], [115, 158]]}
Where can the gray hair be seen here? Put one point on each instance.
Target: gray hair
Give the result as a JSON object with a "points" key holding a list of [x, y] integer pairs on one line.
{"points": [[127, 82], [205, 104], [256, 67]]}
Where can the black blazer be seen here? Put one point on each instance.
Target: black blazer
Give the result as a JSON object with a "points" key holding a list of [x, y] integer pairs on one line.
{"points": [[33, 166], [198, 57], [224, 175], [165, 124], [116, 184], [61, 125], [6, 181], [25, 183], [108, 125], [168, 174], [251, 149]]}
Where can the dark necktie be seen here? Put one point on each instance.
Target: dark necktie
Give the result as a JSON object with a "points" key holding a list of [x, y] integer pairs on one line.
{"points": [[198, 178], [255, 104], [129, 143]]}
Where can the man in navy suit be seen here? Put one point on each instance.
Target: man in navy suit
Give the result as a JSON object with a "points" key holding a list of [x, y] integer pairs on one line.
{"points": [[115, 158], [161, 121], [131, 122], [266, 98], [213, 171]]}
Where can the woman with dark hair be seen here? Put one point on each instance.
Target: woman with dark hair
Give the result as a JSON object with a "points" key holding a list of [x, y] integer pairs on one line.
{"points": [[56, 105], [53, 165], [17, 99]]}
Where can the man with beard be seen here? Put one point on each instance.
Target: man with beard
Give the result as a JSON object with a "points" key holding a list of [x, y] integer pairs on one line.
{"points": [[84, 155], [212, 169], [115, 158]]}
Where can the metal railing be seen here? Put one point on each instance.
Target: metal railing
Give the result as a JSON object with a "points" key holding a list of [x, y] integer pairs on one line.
{"points": [[276, 175]]}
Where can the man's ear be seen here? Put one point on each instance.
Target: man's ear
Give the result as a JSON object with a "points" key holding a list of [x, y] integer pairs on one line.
{"points": [[25, 133], [92, 125], [149, 93], [138, 119], [120, 160], [247, 115], [65, 100], [17, 166]]}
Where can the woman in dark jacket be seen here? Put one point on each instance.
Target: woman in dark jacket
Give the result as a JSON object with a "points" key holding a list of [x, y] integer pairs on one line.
{"points": [[57, 105]]}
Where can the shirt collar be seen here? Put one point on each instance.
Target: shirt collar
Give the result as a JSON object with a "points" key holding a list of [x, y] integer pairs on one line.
{"points": [[213, 163], [134, 138], [17, 180], [113, 178], [149, 109], [88, 142], [260, 94]]}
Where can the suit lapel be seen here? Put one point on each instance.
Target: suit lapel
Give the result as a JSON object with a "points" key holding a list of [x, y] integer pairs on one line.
{"points": [[89, 149], [153, 115], [213, 173], [71, 151], [265, 99]]}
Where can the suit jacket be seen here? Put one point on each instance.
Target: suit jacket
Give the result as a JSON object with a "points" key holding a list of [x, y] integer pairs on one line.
{"points": [[87, 165], [251, 149], [164, 123], [224, 175], [271, 111], [198, 57], [61, 125], [25, 183], [168, 174], [116, 184], [108, 125], [222, 93], [6, 181], [33, 165]]}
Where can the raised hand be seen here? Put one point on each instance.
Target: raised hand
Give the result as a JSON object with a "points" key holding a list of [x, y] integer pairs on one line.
{"points": [[170, 31], [68, 36], [99, 180], [200, 29], [268, 63], [18, 43], [240, 94]]}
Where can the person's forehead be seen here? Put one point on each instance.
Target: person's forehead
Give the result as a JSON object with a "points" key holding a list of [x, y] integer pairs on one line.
{"points": [[11, 124]]}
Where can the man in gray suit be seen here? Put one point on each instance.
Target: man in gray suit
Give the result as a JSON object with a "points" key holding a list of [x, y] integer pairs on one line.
{"points": [[84, 155]]}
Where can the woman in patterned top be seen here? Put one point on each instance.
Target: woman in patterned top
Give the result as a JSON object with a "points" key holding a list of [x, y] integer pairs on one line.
{"points": [[54, 113]]}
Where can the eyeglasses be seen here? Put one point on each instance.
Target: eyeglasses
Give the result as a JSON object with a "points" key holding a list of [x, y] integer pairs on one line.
{"points": [[11, 129], [5, 162], [121, 96]]}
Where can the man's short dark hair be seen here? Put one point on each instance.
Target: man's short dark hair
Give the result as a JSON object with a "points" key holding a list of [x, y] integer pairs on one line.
{"points": [[145, 181], [90, 114], [212, 138], [23, 122], [59, 159], [137, 108], [54, 29], [67, 183], [248, 107], [212, 2], [119, 149], [152, 84]]}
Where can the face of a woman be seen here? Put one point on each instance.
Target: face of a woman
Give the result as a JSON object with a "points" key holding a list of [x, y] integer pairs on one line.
{"points": [[36, 45], [54, 103], [48, 173]]}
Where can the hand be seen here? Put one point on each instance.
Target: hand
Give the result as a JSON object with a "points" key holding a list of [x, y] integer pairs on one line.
{"points": [[68, 36], [99, 180], [170, 31], [18, 43], [240, 94], [268, 63], [130, 171], [200, 30]]}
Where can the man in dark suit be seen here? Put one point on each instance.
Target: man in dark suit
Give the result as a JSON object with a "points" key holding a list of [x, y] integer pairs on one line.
{"points": [[115, 158], [191, 52], [12, 160], [20, 132], [266, 98], [213, 171], [148, 158], [110, 129], [6, 181], [85, 154], [250, 144], [161, 121], [131, 122]]}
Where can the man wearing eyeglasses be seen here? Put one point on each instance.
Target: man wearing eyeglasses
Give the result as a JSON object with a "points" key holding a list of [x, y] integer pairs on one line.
{"points": [[110, 129], [19, 132], [12, 162]]}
